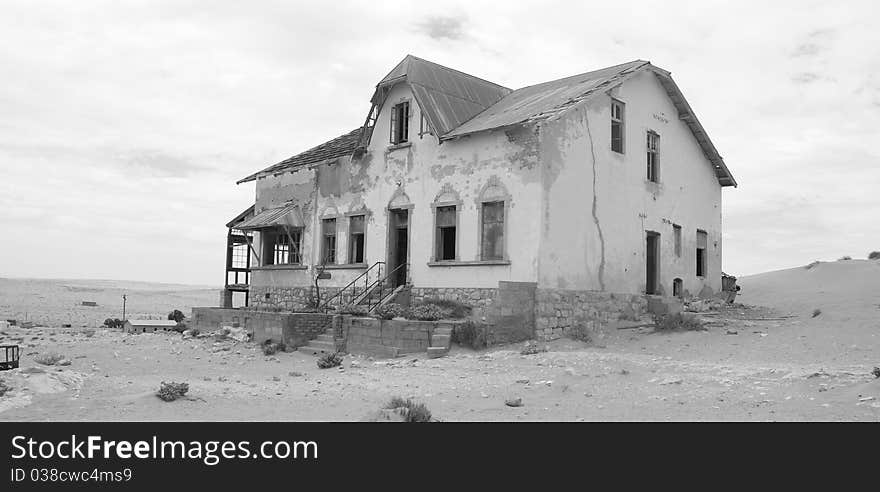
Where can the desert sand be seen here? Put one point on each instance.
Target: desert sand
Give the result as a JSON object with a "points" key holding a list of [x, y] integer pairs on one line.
{"points": [[769, 359]]}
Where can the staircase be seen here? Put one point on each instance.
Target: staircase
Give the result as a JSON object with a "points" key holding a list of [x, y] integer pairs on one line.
{"points": [[441, 340], [370, 289], [324, 344]]}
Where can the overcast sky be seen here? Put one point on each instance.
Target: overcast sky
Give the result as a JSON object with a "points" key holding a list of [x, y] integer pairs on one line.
{"points": [[125, 124]]}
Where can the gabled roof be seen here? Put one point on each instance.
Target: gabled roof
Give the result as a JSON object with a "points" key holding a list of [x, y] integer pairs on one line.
{"points": [[341, 146], [549, 99], [447, 97]]}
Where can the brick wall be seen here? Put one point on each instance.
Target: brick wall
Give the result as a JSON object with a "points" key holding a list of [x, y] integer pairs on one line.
{"points": [[557, 311], [294, 329]]}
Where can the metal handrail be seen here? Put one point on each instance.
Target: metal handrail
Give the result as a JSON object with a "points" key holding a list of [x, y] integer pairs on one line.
{"points": [[366, 281], [381, 284]]}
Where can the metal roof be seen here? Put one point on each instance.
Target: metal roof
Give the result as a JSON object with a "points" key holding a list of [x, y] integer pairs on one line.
{"points": [[341, 146], [248, 213], [289, 215], [447, 97]]}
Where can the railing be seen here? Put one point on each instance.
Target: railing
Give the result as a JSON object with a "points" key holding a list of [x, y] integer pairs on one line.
{"points": [[352, 285], [381, 285]]}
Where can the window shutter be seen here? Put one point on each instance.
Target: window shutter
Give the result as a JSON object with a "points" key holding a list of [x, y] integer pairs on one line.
{"points": [[393, 124]]}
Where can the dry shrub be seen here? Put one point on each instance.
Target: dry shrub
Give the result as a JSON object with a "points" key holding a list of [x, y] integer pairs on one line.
{"points": [[816, 312], [874, 255], [172, 391], [355, 311], [270, 347], [390, 311], [49, 358], [532, 348], [471, 334], [327, 361], [409, 410], [4, 387], [678, 322], [813, 264], [844, 258], [451, 309], [425, 312]]}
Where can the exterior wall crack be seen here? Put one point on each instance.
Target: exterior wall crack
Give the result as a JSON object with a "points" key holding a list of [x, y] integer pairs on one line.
{"points": [[595, 206]]}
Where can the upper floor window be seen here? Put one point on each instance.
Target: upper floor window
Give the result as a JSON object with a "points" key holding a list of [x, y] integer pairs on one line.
{"points": [[676, 233], [356, 239], [328, 231], [617, 126], [424, 126], [400, 123], [653, 141]]}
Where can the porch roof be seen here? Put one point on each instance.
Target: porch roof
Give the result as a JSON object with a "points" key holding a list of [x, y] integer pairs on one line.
{"points": [[288, 215]]}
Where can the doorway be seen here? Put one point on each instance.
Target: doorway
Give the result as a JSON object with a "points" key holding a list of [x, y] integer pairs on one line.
{"points": [[398, 246], [652, 255]]}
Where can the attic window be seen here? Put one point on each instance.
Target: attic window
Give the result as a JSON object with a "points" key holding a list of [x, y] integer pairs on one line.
{"points": [[400, 123], [424, 126], [617, 126], [653, 140]]}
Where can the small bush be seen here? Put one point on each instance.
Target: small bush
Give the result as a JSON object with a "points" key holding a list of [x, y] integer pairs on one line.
{"points": [[876, 372], [4, 388], [532, 348], [874, 255], [172, 391], [816, 312], [844, 258], [426, 312], [113, 323], [471, 334], [355, 311], [390, 311], [49, 358], [271, 348], [451, 309], [330, 360], [580, 333], [409, 410], [678, 322], [176, 315], [181, 327]]}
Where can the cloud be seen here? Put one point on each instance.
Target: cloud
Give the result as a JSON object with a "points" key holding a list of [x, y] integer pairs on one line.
{"points": [[804, 78], [440, 28]]}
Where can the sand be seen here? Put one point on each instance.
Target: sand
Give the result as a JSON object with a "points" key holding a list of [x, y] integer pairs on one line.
{"points": [[753, 363]]}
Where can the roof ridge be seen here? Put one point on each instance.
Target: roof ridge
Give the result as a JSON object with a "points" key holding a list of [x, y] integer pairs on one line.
{"points": [[460, 72]]}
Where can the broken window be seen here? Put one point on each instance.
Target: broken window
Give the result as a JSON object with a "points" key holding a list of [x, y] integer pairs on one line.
{"points": [[282, 246], [492, 235], [356, 239], [701, 253], [400, 123], [445, 234], [424, 125], [653, 140], [676, 234], [617, 126], [328, 230]]}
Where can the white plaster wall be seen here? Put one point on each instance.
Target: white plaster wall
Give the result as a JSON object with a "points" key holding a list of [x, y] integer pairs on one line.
{"points": [[419, 171], [626, 204]]}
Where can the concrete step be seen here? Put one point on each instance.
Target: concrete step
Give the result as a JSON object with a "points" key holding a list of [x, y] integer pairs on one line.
{"points": [[322, 344], [441, 341], [315, 350], [437, 352]]}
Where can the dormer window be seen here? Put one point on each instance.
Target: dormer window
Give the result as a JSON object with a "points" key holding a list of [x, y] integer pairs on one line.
{"points": [[400, 123]]}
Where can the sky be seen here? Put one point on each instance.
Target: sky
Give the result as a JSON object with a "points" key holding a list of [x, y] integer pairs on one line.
{"points": [[124, 125]]}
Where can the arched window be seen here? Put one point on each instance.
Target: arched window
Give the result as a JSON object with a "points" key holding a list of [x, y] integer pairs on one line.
{"points": [[446, 209], [493, 205]]}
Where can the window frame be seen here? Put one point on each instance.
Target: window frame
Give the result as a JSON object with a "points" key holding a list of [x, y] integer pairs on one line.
{"points": [[702, 260], [676, 238], [324, 258], [456, 210], [504, 220], [273, 241], [652, 156], [363, 233], [398, 136], [620, 120]]}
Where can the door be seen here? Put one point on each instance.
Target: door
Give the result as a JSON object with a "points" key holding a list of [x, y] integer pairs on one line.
{"points": [[398, 241], [652, 246]]}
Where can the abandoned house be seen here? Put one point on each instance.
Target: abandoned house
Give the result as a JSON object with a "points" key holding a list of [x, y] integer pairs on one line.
{"points": [[557, 204]]}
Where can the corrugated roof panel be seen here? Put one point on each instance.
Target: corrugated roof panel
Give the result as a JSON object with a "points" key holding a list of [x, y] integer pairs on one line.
{"points": [[288, 215], [341, 146]]}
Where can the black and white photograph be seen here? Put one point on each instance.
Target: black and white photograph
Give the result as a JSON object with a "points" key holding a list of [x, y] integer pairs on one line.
{"points": [[439, 212]]}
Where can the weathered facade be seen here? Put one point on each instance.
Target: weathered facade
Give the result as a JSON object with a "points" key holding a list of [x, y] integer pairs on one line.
{"points": [[595, 189]]}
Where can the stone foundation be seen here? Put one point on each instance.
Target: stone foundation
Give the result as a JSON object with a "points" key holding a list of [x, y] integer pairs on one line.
{"points": [[481, 300], [557, 311], [294, 329], [287, 298]]}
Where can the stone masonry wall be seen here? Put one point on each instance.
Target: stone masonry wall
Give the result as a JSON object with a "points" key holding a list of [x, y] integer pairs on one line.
{"points": [[558, 311], [481, 300], [287, 298], [294, 329]]}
